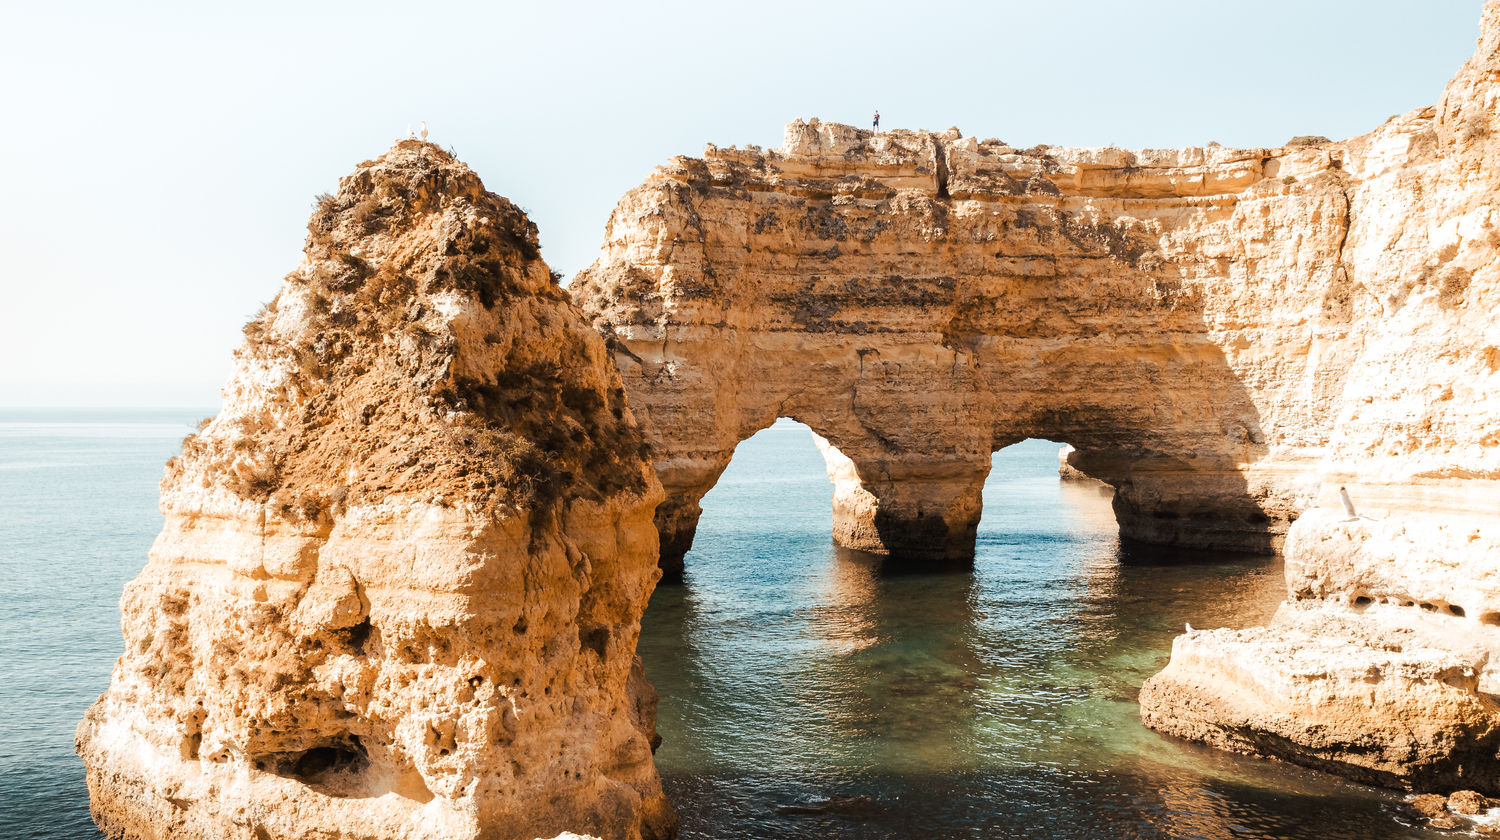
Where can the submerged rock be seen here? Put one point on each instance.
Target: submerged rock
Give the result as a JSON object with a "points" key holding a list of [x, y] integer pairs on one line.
{"points": [[401, 578]]}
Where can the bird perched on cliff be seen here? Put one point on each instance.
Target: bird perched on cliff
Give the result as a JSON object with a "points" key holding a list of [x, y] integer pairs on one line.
{"points": [[1188, 625], [424, 129]]}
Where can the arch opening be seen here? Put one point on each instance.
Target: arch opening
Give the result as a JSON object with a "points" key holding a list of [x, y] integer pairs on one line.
{"points": [[811, 690]]}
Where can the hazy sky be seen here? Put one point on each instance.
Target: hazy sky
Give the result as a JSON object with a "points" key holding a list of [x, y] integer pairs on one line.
{"points": [[162, 157]]}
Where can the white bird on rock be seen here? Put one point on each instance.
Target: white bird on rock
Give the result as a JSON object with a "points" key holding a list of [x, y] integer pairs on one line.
{"points": [[1348, 502], [1188, 625], [424, 129]]}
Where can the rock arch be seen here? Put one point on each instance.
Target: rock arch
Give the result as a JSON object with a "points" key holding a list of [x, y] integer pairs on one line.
{"points": [[924, 299]]}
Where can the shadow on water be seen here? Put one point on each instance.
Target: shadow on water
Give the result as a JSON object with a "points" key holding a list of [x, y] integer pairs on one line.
{"points": [[812, 691]]}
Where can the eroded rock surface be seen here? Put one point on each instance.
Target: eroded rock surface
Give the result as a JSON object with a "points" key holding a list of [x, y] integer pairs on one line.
{"points": [[1185, 318], [1225, 335], [400, 583], [1382, 663]]}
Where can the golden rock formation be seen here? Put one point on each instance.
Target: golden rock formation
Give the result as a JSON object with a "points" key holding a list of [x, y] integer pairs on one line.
{"points": [[400, 583], [1185, 319], [1226, 336]]}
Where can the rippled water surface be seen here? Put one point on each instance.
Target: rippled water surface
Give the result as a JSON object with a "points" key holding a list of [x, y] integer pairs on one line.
{"points": [[805, 692], [77, 513], [808, 692]]}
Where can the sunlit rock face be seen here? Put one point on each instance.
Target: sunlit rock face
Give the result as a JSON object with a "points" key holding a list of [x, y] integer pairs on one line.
{"points": [[1225, 335], [1382, 663], [1186, 319], [400, 583]]}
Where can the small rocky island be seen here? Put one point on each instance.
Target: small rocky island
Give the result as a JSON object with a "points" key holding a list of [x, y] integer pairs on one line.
{"points": [[401, 580], [402, 575]]}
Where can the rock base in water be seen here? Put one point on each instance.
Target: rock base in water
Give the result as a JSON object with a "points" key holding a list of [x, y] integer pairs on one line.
{"points": [[402, 573]]}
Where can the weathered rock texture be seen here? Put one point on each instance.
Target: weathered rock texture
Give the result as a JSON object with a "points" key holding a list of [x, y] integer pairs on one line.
{"points": [[1225, 335], [1383, 662], [400, 583], [1185, 319]]}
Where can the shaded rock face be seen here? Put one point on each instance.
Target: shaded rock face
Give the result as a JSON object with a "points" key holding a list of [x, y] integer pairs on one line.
{"points": [[1382, 663], [1227, 336], [400, 583], [1185, 319]]}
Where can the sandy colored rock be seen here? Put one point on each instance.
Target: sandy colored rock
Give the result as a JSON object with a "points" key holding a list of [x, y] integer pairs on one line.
{"points": [[1382, 663], [1186, 319], [401, 578], [1388, 697], [1428, 805], [1470, 802], [1226, 336]]}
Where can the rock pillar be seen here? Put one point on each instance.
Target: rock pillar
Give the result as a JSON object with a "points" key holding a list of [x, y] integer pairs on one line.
{"points": [[903, 513]]}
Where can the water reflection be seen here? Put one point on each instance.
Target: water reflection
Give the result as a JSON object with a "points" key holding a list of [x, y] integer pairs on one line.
{"points": [[809, 691]]}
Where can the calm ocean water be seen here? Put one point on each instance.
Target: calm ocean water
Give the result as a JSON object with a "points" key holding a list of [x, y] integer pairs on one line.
{"points": [[806, 692]]}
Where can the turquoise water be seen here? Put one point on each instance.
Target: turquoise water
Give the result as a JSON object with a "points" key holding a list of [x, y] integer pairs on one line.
{"points": [[809, 692], [806, 692], [78, 495]]}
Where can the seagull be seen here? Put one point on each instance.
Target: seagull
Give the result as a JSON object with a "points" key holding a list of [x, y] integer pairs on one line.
{"points": [[410, 135], [1188, 625], [1348, 503], [424, 129]]}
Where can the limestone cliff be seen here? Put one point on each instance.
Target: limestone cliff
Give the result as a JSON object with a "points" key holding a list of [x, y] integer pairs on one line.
{"points": [[1383, 662], [402, 573], [1224, 335], [1183, 318]]}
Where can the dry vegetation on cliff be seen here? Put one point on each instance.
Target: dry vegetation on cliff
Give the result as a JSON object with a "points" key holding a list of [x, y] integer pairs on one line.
{"points": [[401, 578]]}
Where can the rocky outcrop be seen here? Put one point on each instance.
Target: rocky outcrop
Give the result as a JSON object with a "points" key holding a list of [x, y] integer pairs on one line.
{"points": [[1382, 663], [399, 587], [1185, 319], [1226, 336]]}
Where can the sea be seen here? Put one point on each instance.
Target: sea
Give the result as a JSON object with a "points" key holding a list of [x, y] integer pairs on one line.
{"points": [[806, 691]]}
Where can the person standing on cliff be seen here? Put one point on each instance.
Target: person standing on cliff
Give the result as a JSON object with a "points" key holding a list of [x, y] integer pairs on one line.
{"points": [[877, 121]]}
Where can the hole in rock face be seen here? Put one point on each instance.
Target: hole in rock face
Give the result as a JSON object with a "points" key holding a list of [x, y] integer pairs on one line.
{"points": [[1426, 607], [1456, 610], [319, 761], [1363, 601], [595, 639], [327, 767], [358, 635], [1492, 618], [520, 626]]}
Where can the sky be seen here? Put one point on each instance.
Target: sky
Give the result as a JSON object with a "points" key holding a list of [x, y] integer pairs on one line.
{"points": [[163, 157]]}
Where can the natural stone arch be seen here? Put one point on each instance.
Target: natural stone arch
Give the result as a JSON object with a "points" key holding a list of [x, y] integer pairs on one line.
{"points": [[927, 298]]}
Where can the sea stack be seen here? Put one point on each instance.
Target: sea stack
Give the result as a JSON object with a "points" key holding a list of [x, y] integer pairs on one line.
{"points": [[401, 578]]}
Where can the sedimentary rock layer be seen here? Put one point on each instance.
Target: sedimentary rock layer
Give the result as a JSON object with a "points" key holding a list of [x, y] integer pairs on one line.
{"points": [[1185, 319], [1383, 662], [1227, 336], [402, 573]]}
